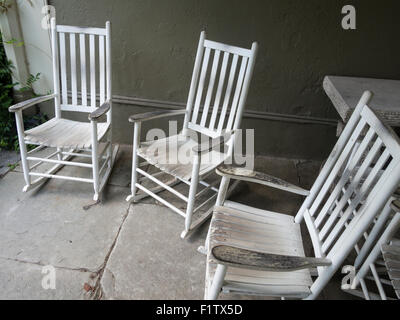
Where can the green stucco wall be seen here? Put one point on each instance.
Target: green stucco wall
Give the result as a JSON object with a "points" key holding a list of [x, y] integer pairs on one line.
{"points": [[300, 41]]}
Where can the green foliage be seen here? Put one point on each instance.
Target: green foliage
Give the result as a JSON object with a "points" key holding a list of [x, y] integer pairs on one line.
{"points": [[8, 131], [30, 81], [7, 123]]}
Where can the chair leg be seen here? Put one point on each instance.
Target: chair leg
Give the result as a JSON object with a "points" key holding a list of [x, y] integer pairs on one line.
{"points": [[136, 140], [95, 161], [217, 282], [22, 147], [192, 194]]}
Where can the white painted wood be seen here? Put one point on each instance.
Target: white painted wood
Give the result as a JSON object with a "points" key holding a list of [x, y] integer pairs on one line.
{"points": [[70, 107], [219, 91], [203, 88], [201, 85], [84, 30], [228, 93], [57, 176], [359, 196], [136, 141], [166, 159], [64, 133], [217, 282], [63, 69], [227, 48], [92, 70], [56, 73], [237, 93], [373, 253], [246, 86], [72, 49], [74, 135], [95, 160], [166, 203], [102, 70], [82, 43], [192, 191], [339, 164], [165, 186], [22, 146], [68, 163], [210, 87], [193, 84], [334, 156]]}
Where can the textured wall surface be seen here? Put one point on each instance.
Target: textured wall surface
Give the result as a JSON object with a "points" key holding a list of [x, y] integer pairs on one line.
{"points": [[154, 44]]}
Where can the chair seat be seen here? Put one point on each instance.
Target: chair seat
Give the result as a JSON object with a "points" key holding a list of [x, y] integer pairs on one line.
{"points": [[174, 156], [263, 231], [65, 133]]}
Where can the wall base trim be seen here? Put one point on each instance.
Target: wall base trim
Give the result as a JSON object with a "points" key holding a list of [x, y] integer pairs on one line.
{"points": [[249, 114]]}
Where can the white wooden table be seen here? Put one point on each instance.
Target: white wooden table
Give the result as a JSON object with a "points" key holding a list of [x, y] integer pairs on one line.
{"points": [[345, 92]]}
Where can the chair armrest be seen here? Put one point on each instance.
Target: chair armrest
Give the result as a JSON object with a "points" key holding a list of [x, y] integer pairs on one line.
{"points": [[209, 145], [155, 115], [260, 178], [241, 258], [29, 103], [103, 109]]}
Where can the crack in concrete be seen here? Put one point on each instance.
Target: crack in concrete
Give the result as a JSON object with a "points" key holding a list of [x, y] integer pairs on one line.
{"points": [[97, 292], [55, 266]]}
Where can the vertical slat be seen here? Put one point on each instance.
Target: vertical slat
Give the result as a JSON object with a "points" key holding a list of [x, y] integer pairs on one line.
{"points": [[210, 87], [92, 70], [228, 93], [345, 198], [237, 93], [366, 185], [246, 86], [201, 85], [56, 74], [219, 90], [102, 69], [334, 156], [63, 69], [72, 50], [82, 49], [344, 178], [349, 146]]}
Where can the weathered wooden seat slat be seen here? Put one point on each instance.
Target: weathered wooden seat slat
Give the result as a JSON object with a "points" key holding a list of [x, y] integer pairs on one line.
{"points": [[65, 133], [168, 156]]}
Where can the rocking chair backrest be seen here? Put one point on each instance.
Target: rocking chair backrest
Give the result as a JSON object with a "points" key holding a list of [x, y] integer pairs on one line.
{"points": [[81, 63], [356, 182], [218, 86]]}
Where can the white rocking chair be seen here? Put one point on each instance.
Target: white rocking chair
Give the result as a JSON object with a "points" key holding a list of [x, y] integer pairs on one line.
{"points": [[253, 251], [73, 138], [219, 125]]}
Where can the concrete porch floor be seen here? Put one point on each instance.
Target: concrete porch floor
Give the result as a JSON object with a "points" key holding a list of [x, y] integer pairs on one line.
{"points": [[113, 250]]}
